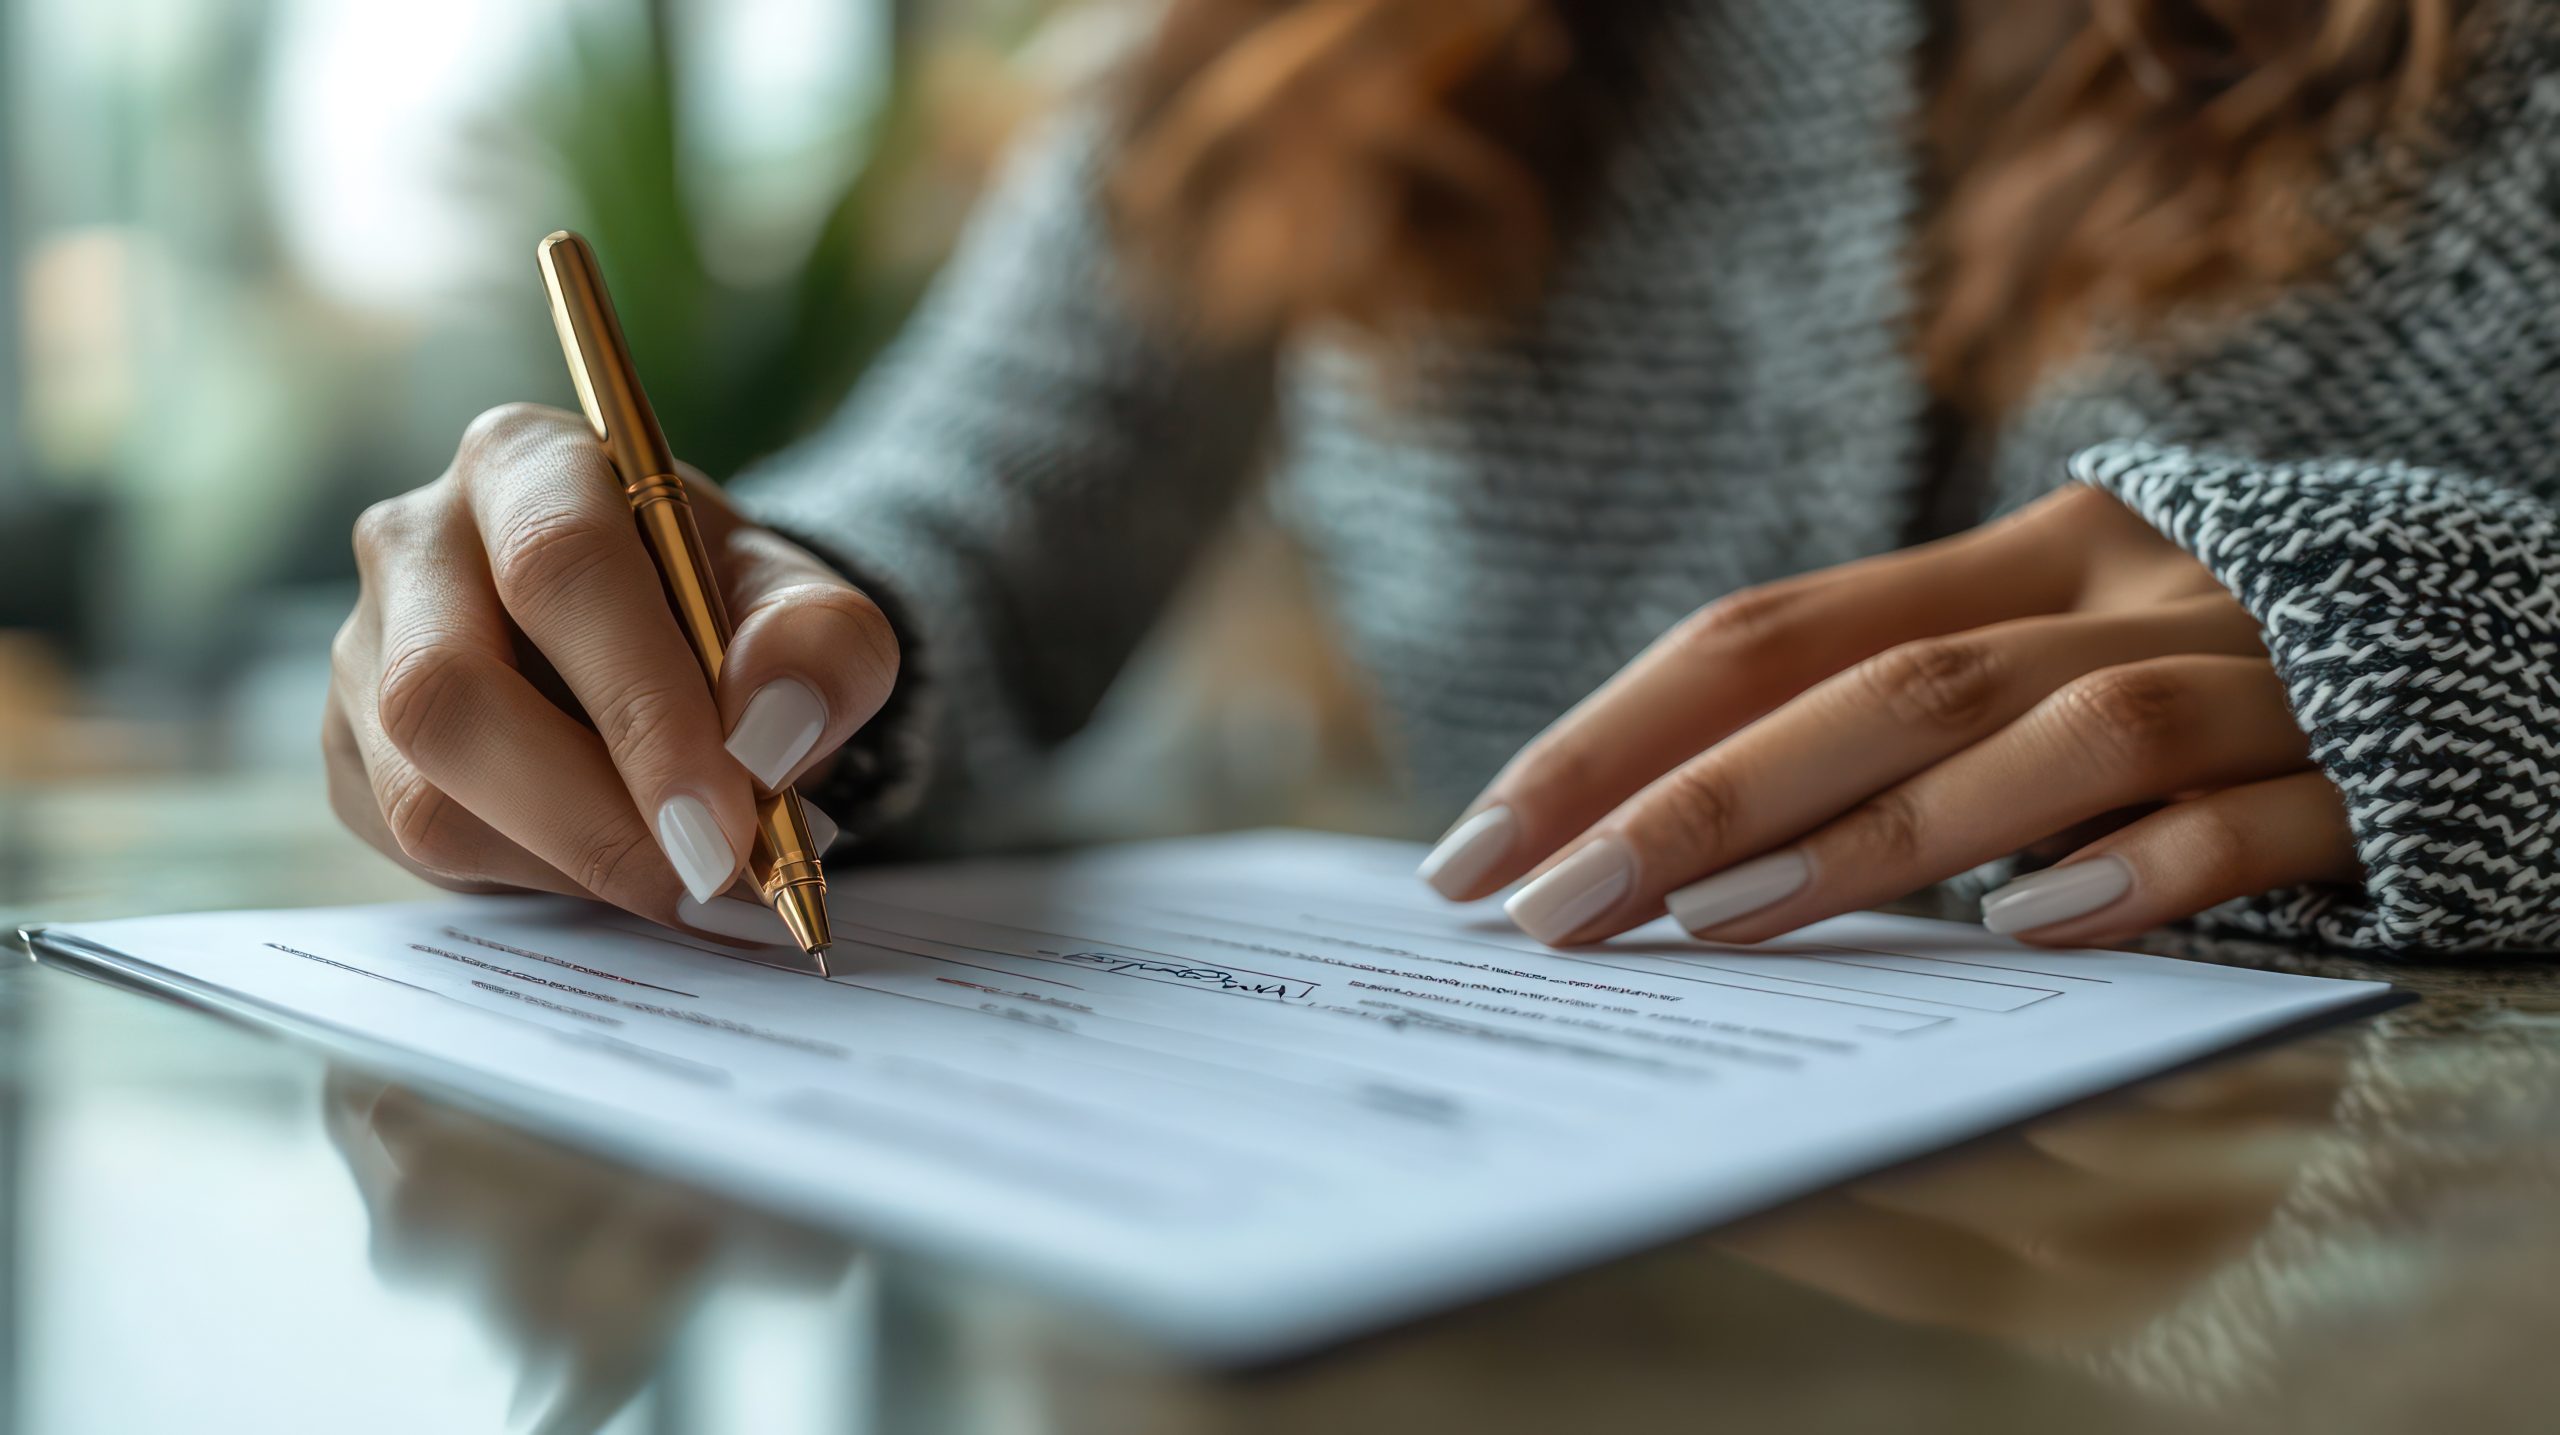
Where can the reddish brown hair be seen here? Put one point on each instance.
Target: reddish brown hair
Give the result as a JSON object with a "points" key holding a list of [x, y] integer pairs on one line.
{"points": [[2099, 162]]}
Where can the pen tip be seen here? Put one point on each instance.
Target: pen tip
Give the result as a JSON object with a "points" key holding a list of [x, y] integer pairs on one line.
{"points": [[819, 955]]}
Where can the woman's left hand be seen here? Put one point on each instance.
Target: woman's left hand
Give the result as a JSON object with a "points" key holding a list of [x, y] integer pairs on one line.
{"points": [[1819, 745]]}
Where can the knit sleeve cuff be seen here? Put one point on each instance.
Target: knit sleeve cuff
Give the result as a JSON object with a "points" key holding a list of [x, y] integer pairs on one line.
{"points": [[2414, 617]]}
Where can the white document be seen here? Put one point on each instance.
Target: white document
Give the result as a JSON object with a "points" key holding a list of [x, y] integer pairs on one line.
{"points": [[1252, 1094]]}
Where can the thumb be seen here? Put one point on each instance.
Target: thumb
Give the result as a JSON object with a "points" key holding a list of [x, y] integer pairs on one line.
{"points": [[810, 661]]}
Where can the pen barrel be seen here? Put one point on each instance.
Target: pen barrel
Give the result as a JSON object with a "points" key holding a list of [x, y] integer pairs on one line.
{"points": [[665, 515], [784, 865], [784, 856]]}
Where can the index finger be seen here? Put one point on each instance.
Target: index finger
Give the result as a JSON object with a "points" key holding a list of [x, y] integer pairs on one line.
{"points": [[570, 568]]}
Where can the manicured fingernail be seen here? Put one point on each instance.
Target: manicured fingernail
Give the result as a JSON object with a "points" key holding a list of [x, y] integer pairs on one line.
{"points": [[2056, 894], [780, 725], [729, 917], [695, 845], [1574, 891], [1468, 852], [1739, 891], [822, 828]]}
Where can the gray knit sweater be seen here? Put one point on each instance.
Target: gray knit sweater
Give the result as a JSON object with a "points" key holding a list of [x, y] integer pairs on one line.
{"points": [[1718, 391]]}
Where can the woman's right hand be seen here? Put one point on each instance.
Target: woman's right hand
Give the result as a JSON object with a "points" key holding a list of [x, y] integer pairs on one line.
{"points": [[512, 705]]}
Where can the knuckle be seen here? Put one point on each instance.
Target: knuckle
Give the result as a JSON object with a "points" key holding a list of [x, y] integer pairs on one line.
{"points": [[643, 715], [426, 693], [345, 647], [623, 862], [551, 552], [338, 742], [1946, 683], [1554, 772], [351, 796], [2126, 717], [381, 527], [2212, 841], [1747, 618], [1891, 831], [431, 828], [494, 430], [1692, 812]]}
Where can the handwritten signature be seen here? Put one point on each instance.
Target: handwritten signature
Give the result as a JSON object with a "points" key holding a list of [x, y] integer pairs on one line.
{"points": [[1216, 978]]}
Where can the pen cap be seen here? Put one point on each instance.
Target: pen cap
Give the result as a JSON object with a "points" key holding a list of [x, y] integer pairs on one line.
{"points": [[599, 362]]}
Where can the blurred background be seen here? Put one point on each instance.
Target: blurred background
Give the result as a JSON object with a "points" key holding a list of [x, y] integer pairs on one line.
{"points": [[260, 262], [266, 258]]}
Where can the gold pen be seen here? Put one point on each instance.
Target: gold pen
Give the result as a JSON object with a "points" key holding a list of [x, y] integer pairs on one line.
{"points": [[784, 864]]}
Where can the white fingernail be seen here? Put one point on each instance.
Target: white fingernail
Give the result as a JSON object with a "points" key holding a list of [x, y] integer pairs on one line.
{"points": [[695, 845], [1574, 891], [2056, 894], [729, 917], [1468, 852], [1740, 891], [822, 828], [780, 725]]}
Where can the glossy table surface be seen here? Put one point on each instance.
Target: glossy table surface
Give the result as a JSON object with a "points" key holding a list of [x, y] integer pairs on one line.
{"points": [[207, 1230]]}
